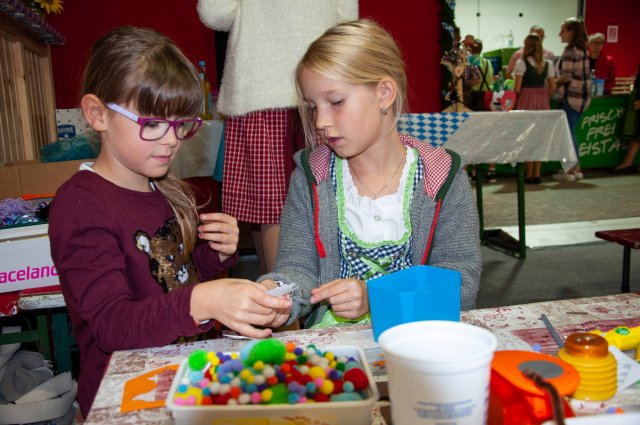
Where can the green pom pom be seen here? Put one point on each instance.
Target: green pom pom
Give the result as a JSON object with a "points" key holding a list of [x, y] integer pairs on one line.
{"points": [[197, 360], [280, 394], [270, 351]]}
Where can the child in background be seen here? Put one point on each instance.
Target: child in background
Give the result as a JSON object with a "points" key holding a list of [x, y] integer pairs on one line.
{"points": [[574, 84], [365, 200], [123, 230], [532, 71]]}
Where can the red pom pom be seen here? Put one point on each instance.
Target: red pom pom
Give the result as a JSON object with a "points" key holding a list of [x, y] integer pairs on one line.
{"points": [[235, 392], [337, 386], [321, 398], [357, 377], [206, 401], [222, 399], [297, 376]]}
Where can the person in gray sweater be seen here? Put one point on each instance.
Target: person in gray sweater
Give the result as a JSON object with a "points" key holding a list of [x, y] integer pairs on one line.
{"points": [[366, 200]]}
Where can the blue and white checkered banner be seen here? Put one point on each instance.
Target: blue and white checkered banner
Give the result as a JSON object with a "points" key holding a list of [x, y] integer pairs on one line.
{"points": [[432, 128]]}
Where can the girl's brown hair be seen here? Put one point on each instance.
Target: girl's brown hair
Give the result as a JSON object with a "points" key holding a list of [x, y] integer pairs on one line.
{"points": [[533, 48], [578, 32], [139, 66], [355, 52]]}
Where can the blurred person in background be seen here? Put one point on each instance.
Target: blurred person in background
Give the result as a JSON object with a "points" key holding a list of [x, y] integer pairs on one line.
{"points": [[603, 64]]}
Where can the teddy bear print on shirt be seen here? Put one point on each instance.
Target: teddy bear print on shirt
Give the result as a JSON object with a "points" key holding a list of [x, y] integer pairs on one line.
{"points": [[166, 256]]}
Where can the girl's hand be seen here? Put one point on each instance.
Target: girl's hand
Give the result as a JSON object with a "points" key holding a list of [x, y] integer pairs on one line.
{"points": [[636, 104], [240, 305], [281, 315], [222, 233], [348, 297]]}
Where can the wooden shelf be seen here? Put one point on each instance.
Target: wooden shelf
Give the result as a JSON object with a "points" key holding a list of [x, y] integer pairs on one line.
{"points": [[27, 99], [23, 17]]}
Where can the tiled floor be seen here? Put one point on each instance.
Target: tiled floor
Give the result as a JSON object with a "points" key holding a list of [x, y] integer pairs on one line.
{"points": [[565, 213], [560, 234]]}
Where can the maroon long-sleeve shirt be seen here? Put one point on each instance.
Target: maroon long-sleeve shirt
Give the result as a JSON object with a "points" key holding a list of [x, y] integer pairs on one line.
{"points": [[118, 255]]}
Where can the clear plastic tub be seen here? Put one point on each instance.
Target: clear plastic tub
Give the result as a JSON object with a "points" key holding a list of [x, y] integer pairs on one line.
{"points": [[330, 413]]}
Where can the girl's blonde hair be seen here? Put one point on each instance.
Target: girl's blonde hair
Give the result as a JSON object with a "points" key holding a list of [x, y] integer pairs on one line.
{"points": [[533, 48], [139, 66], [355, 52]]}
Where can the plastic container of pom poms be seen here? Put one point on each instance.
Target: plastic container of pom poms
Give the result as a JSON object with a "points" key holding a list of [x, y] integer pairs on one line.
{"points": [[352, 412]]}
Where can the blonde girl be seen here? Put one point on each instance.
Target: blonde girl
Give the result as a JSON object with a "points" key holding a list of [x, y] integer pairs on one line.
{"points": [[364, 199]]}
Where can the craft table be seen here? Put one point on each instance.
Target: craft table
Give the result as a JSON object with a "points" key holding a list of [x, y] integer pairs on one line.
{"points": [[512, 137], [517, 327]]}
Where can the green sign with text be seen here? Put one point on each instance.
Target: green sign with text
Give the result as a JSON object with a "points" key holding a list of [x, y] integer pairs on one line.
{"points": [[599, 131]]}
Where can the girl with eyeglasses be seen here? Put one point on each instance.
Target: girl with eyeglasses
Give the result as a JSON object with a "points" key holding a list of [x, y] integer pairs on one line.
{"points": [[126, 238]]}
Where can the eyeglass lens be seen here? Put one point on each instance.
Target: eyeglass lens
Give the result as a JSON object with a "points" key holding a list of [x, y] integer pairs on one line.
{"points": [[156, 129]]}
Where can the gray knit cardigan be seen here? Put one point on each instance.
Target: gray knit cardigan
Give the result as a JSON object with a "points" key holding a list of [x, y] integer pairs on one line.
{"points": [[455, 243]]}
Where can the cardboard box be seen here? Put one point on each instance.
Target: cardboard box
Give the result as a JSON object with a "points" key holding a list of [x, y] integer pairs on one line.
{"points": [[35, 177], [25, 258]]}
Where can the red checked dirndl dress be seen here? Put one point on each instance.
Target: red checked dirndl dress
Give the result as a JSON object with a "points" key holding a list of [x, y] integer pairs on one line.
{"points": [[258, 162]]}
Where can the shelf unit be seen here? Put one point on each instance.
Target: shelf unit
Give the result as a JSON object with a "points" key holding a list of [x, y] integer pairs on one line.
{"points": [[27, 97]]}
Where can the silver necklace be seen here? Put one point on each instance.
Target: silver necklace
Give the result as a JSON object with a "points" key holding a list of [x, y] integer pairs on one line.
{"points": [[376, 193]]}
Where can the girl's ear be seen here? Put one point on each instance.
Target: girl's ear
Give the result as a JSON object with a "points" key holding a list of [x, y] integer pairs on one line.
{"points": [[94, 112], [387, 92]]}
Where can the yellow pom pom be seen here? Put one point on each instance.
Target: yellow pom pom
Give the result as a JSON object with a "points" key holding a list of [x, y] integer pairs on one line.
{"points": [[317, 372], [213, 359], [266, 395], [289, 356], [259, 365], [327, 387], [235, 355], [329, 356], [246, 376], [196, 392]]}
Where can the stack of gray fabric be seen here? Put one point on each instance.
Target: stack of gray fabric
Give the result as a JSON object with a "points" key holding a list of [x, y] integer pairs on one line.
{"points": [[29, 390]]}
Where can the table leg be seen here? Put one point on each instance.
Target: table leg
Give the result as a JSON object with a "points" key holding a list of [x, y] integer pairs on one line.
{"points": [[522, 245], [43, 336], [626, 265], [63, 340], [479, 179]]}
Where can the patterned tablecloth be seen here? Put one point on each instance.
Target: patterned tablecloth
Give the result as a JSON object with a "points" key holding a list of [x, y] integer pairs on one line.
{"points": [[517, 327]]}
